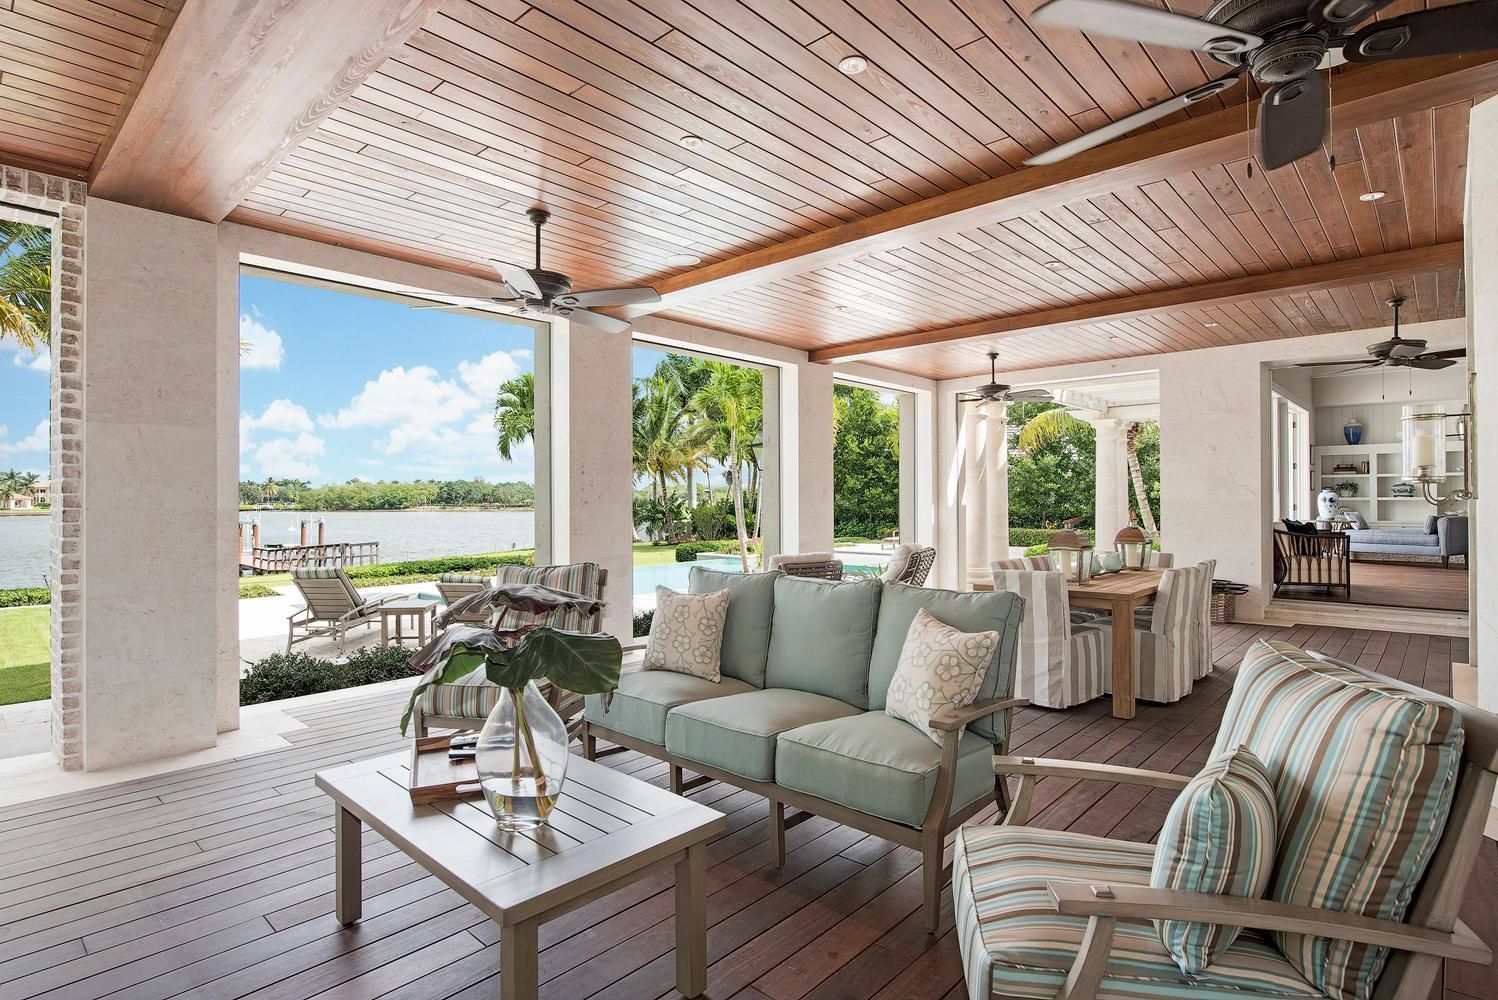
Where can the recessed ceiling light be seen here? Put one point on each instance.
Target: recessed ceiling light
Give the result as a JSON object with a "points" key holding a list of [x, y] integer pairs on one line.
{"points": [[1371, 196], [840, 307], [1209, 325], [683, 260], [852, 65], [690, 141], [1054, 265], [1114, 337]]}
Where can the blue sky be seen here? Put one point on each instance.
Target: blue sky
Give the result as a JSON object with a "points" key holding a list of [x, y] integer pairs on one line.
{"points": [[24, 392], [337, 386]]}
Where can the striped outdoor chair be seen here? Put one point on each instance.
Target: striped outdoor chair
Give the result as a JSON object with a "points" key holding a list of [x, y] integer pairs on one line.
{"points": [[455, 586], [1174, 649], [333, 606], [1058, 663], [466, 703]]}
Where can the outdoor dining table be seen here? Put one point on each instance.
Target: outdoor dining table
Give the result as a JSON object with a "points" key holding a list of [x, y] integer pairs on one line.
{"points": [[1119, 594]]}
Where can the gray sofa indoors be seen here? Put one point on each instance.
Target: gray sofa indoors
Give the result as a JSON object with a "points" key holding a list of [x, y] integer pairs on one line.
{"points": [[1443, 536], [799, 714]]}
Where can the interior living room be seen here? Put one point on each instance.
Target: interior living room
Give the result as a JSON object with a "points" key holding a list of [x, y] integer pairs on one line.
{"points": [[777, 501]]}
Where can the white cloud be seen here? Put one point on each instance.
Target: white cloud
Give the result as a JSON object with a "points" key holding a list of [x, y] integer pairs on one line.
{"points": [[281, 415], [37, 440], [403, 395], [260, 346], [483, 377], [291, 458], [36, 361]]}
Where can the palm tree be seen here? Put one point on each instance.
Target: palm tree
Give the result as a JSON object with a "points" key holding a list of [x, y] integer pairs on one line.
{"points": [[268, 492], [662, 435], [8, 480], [25, 284], [687, 376], [1054, 424], [729, 401], [515, 413]]}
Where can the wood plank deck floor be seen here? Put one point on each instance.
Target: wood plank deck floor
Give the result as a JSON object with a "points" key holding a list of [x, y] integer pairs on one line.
{"points": [[218, 882]]}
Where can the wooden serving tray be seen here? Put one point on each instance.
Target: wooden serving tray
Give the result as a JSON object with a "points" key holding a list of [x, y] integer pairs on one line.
{"points": [[434, 778]]}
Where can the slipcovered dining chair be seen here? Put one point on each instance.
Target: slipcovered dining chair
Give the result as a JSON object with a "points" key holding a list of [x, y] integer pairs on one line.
{"points": [[1173, 642], [1058, 663], [819, 565], [1038, 563], [909, 565], [466, 703], [1361, 847]]}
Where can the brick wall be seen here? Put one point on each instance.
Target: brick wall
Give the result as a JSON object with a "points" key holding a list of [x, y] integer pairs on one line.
{"points": [[65, 200]]}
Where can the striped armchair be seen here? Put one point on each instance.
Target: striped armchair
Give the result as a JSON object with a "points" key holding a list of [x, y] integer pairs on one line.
{"points": [[455, 586], [468, 702], [1173, 644], [1058, 663]]}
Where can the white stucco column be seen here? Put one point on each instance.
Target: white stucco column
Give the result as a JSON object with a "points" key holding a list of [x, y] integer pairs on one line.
{"points": [[974, 495], [995, 486], [151, 554], [1482, 358], [805, 455], [1111, 510]]}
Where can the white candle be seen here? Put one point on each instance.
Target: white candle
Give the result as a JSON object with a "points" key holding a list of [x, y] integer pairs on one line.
{"points": [[1423, 451]]}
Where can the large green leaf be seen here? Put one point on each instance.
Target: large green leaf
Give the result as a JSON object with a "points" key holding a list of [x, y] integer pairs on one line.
{"points": [[574, 661]]}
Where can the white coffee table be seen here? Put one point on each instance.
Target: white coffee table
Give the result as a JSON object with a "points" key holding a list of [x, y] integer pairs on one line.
{"points": [[607, 831]]}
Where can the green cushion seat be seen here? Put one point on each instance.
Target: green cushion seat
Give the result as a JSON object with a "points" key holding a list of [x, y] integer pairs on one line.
{"points": [[737, 733], [822, 636], [977, 611], [751, 607], [877, 764], [644, 697]]}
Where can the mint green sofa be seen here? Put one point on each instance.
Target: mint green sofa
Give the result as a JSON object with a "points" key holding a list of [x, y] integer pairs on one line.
{"points": [[798, 716]]}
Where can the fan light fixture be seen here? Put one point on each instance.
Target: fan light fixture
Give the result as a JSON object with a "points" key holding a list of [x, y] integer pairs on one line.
{"points": [[852, 65], [1209, 326], [1371, 196]]}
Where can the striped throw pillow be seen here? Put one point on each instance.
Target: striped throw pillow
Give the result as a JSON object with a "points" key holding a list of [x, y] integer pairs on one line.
{"points": [[1364, 774], [1219, 838]]}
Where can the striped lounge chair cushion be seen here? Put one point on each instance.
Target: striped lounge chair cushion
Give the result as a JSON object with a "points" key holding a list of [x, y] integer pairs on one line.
{"points": [[1219, 838], [1015, 944], [465, 578], [329, 573], [1364, 775]]}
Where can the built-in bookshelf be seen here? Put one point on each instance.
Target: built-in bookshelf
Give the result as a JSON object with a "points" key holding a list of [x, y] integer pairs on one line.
{"points": [[1378, 459]]}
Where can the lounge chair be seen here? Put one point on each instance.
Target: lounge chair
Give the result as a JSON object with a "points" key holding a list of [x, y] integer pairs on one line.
{"points": [[333, 606], [455, 586]]}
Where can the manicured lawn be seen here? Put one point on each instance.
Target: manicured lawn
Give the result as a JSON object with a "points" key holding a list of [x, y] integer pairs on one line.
{"points": [[25, 654], [647, 554]]}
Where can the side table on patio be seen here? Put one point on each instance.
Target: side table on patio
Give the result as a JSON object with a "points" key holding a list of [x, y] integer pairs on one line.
{"points": [[398, 611], [606, 831]]}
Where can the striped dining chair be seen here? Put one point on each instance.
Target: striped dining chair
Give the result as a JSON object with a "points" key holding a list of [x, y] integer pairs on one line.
{"points": [[1174, 649], [1058, 663]]}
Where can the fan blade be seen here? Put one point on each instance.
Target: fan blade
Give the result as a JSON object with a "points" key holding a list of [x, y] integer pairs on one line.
{"points": [[1360, 368], [1031, 396], [1337, 16], [1455, 352], [1122, 127], [1463, 27], [1332, 364], [598, 321], [1138, 23], [612, 297], [1427, 363], [518, 278], [1292, 121]]}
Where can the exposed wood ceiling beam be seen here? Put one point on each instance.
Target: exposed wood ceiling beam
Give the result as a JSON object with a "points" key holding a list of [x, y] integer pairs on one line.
{"points": [[1333, 274], [235, 87], [1361, 95]]}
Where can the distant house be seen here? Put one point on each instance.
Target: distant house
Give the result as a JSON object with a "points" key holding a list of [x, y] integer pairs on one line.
{"points": [[41, 491], [18, 501]]}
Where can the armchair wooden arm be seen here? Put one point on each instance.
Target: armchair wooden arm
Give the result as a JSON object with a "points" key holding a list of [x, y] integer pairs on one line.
{"points": [[1105, 905], [954, 719], [1030, 768]]}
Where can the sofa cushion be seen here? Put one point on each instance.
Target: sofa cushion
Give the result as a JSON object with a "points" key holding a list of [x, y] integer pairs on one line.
{"points": [[644, 697], [1218, 838], [970, 611], [1430, 523], [1015, 944], [1411, 537], [821, 638], [751, 607], [686, 633], [737, 733], [1364, 774], [879, 765]]}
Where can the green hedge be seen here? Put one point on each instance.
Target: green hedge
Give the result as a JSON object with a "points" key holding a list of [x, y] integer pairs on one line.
{"points": [[1029, 537], [291, 675], [482, 562], [22, 597], [248, 588], [643, 621], [689, 551]]}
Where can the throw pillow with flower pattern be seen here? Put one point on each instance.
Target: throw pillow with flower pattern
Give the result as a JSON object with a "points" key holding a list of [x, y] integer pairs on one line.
{"points": [[939, 668], [686, 634]]}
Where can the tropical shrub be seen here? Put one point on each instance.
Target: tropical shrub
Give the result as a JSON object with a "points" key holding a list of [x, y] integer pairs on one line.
{"points": [[291, 675], [865, 463], [713, 521], [248, 588], [21, 597], [689, 551], [1039, 536], [643, 621]]}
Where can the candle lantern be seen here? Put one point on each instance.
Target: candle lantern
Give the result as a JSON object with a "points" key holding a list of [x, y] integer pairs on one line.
{"points": [[1132, 546], [1072, 555], [1424, 446]]}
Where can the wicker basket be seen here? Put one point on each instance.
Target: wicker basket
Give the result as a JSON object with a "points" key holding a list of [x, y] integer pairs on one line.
{"points": [[1222, 608]]}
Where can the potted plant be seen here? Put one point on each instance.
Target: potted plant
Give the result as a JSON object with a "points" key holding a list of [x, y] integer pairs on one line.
{"points": [[1347, 489], [522, 748]]}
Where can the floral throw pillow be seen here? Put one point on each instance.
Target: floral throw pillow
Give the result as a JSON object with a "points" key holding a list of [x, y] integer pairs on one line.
{"points": [[939, 668], [686, 634]]}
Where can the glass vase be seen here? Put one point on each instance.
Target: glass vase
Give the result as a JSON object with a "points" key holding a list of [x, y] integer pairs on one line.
{"points": [[522, 758]]}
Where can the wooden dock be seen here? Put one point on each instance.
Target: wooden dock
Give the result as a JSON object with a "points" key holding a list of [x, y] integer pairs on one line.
{"points": [[285, 558]]}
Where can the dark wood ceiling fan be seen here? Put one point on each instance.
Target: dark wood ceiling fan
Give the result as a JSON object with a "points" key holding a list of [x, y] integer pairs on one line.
{"points": [[1282, 45], [998, 392], [1396, 352]]}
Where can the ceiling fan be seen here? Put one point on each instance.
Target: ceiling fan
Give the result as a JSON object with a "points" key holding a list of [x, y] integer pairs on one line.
{"points": [[538, 292], [1396, 352], [997, 392], [1281, 44]]}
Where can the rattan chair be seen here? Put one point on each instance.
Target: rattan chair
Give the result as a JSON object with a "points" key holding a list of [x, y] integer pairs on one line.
{"points": [[910, 565], [818, 565]]}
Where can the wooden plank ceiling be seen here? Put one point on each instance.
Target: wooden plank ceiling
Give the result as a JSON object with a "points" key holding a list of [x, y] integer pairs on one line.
{"points": [[584, 106], [68, 68]]}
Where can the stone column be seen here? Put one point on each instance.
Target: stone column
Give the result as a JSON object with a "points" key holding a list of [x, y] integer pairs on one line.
{"points": [[1482, 360], [974, 496], [996, 485], [1111, 512]]}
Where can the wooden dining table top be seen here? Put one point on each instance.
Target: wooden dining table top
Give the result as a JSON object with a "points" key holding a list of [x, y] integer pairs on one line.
{"points": [[1125, 583]]}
